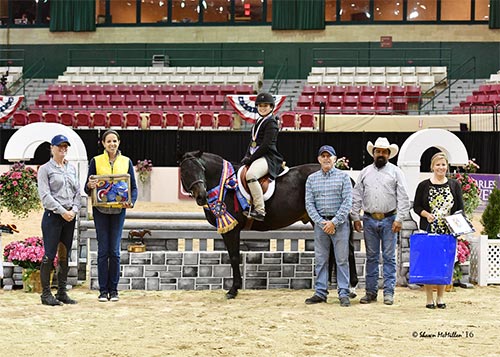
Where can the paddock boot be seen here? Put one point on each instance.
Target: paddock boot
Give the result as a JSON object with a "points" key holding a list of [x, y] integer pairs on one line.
{"points": [[62, 278], [45, 270]]}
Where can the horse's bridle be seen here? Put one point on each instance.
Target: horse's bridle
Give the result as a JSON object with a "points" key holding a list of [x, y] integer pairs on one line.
{"points": [[201, 180]]}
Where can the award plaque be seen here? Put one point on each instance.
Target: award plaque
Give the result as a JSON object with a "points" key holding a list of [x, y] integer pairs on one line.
{"points": [[111, 190], [459, 224]]}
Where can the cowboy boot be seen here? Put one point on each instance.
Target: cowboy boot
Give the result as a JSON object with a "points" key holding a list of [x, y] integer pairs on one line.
{"points": [[62, 278], [45, 270]]}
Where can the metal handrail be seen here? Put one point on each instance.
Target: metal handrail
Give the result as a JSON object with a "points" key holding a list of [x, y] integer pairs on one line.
{"points": [[491, 110], [40, 63], [118, 56], [275, 86], [449, 82]]}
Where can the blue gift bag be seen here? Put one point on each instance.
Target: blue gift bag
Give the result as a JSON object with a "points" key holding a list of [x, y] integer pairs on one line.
{"points": [[432, 257]]}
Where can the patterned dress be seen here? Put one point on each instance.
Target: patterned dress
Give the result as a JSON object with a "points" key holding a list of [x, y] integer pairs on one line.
{"points": [[441, 202]]}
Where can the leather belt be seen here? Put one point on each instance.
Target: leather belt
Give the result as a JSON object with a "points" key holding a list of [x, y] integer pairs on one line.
{"points": [[328, 218], [380, 216]]}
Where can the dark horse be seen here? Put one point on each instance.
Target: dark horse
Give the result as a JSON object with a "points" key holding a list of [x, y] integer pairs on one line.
{"points": [[202, 171]]}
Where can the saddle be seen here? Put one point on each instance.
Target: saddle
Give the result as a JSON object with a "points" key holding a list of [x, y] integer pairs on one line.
{"points": [[267, 184]]}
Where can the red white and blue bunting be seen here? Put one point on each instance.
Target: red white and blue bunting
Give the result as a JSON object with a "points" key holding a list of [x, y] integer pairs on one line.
{"points": [[8, 105], [245, 105]]}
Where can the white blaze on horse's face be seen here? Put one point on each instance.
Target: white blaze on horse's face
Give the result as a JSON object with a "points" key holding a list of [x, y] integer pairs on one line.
{"points": [[326, 161]]}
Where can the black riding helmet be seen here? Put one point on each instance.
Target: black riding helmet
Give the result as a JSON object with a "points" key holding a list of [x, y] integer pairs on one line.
{"points": [[264, 98]]}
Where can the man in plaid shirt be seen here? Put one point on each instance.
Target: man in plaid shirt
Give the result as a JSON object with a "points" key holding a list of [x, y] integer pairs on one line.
{"points": [[328, 203]]}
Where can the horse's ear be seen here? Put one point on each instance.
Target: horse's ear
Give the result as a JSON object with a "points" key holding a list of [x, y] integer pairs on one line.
{"points": [[198, 153]]}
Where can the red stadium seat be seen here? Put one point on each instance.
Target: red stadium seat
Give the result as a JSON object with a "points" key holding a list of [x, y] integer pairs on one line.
{"points": [[82, 120], [350, 101], [123, 89], [153, 89], [201, 108], [189, 120], [318, 99], [131, 100], [58, 100], [19, 118], [308, 90], [206, 99], [138, 89], [225, 120], [323, 90], [219, 100], [51, 117], [72, 100], [306, 121], [100, 120], [212, 89], [103, 100], [160, 99], [382, 91], [182, 89], [304, 101], [67, 118], [366, 100], [338, 90], [80, 89], [190, 99], [400, 105], [413, 94], [109, 89], [352, 90], [146, 100], [227, 89], [197, 89], [66, 89], [244, 89], [288, 121], [336, 100], [114, 100], [366, 110], [175, 99], [167, 89], [206, 120], [87, 100], [172, 120], [133, 120], [53, 89], [95, 89], [116, 120], [43, 100], [398, 91], [156, 120], [368, 90], [35, 117]]}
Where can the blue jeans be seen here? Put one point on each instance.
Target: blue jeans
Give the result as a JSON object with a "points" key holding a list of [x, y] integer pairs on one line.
{"points": [[108, 229], [340, 242], [55, 230], [377, 233]]}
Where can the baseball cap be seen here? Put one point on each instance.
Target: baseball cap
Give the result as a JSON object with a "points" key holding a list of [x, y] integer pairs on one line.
{"points": [[328, 149], [59, 139]]}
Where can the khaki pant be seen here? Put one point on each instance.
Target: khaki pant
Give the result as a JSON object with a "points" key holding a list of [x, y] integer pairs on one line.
{"points": [[258, 169]]}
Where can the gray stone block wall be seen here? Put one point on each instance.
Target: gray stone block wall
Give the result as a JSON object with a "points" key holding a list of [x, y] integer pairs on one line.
{"points": [[13, 276]]}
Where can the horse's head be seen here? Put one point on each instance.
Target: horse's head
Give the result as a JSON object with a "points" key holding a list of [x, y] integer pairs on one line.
{"points": [[193, 176]]}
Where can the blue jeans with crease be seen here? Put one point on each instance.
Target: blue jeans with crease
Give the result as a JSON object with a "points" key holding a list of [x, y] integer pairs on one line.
{"points": [[108, 229], [340, 242], [379, 233]]}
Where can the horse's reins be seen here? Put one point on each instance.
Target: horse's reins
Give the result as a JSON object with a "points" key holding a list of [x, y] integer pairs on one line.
{"points": [[196, 181]]}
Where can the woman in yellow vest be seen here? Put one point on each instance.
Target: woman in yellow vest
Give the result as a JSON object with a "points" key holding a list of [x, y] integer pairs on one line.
{"points": [[109, 220]]}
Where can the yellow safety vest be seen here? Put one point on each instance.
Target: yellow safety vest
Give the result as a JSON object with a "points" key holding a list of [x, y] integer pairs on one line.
{"points": [[120, 166]]}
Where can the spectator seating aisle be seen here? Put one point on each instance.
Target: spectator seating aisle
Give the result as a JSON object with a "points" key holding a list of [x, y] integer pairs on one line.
{"points": [[482, 100]]}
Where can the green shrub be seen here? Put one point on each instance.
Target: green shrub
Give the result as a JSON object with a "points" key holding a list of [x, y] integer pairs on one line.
{"points": [[491, 215]]}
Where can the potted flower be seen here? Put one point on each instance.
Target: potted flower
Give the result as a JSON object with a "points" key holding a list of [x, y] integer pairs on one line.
{"points": [[342, 163], [491, 215], [470, 192], [27, 254], [144, 168], [19, 191]]}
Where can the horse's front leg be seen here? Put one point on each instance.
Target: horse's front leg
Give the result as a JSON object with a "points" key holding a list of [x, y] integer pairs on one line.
{"points": [[232, 242]]}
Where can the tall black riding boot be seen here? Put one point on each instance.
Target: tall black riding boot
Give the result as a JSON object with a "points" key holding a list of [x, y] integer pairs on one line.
{"points": [[45, 270], [62, 278]]}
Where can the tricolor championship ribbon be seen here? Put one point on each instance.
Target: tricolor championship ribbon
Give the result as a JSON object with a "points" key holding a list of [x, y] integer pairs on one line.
{"points": [[8, 105], [244, 105]]}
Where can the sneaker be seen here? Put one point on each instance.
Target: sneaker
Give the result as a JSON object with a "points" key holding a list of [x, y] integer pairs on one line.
{"points": [[388, 299], [103, 297], [345, 302], [315, 299], [114, 296], [368, 298], [352, 293]]}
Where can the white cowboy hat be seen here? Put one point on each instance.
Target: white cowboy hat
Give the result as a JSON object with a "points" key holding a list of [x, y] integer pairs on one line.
{"points": [[382, 143]]}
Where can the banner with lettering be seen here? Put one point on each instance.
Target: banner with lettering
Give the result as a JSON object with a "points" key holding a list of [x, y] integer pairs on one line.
{"points": [[8, 105], [486, 183], [245, 105]]}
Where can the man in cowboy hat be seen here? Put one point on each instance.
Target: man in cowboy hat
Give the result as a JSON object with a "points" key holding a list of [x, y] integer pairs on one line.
{"points": [[381, 192]]}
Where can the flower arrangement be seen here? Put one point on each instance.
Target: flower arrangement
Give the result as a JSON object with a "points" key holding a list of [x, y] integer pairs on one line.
{"points": [[470, 192], [19, 191], [471, 166], [342, 163], [28, 253], [144, 168], [463, 254]]}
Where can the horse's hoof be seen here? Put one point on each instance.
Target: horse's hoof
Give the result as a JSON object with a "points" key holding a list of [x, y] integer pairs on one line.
{"points": [[231, 294]]}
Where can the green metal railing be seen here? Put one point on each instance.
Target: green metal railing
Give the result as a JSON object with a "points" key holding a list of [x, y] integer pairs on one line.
{"points": [[173, 57], [281, 75], [26, 77]]}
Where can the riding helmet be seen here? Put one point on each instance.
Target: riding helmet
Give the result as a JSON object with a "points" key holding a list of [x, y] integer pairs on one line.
{"points": [[264, 98]]}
